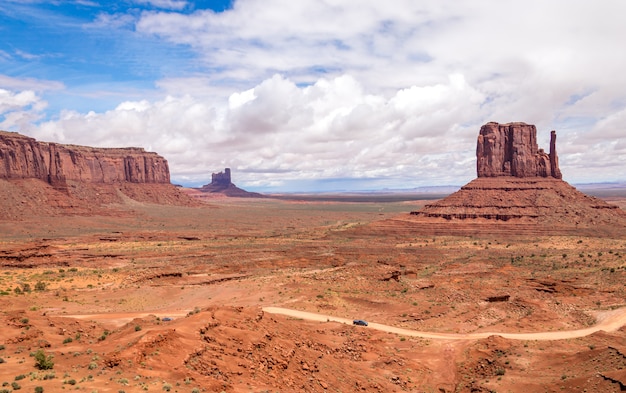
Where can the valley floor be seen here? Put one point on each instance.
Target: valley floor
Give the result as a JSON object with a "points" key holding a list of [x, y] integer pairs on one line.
{"points": [[164, 298]]}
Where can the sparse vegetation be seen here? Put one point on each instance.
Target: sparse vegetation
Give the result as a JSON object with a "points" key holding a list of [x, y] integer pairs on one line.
{"points": [[43, 361], [442, 287]]}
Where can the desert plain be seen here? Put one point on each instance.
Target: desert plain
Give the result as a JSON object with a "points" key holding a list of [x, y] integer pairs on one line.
{"points": [[258, 295]]}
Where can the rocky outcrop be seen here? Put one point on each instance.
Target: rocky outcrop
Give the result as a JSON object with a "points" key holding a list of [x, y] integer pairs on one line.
{"points": [[221, 179], [511, 150], [51, 179], [549, 200], [519, 187], [22, 157], [221, 184]]}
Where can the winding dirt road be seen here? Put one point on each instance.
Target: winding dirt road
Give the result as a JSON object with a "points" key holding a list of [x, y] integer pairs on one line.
{"points": [[608, 321]]}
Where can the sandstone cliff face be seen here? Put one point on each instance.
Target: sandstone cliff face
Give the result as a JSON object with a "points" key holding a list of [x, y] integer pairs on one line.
{"points": [[511, 150], [22, 157]]}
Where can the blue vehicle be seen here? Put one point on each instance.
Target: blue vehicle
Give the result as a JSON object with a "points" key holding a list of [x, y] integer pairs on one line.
{"points": [[359, 322], [166, 319]]}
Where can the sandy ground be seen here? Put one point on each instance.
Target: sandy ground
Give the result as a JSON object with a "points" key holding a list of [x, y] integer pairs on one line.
{"points": [[474, 312]]}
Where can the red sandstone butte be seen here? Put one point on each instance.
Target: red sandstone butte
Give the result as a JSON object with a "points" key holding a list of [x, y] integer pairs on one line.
{"points": [[518, 183], [511, 150]]}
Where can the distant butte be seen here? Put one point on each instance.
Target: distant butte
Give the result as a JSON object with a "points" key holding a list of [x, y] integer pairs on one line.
{"points": [[221, 184], [519, 185]]}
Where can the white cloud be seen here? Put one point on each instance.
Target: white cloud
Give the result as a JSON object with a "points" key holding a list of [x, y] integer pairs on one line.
{"points": [[112, 21], [19, 110], [21, 102], [38, 85], [331, 129], [165, 4], [341, 89]]}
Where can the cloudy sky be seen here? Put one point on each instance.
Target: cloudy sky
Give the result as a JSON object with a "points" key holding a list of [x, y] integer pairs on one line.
{"points": [[319, 94]]}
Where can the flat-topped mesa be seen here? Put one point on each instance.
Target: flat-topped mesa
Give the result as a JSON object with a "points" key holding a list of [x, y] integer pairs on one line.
{"points": [[22, 157], [511, 150]]}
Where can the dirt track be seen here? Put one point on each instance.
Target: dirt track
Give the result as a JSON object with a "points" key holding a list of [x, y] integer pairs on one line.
{"points": [[608, 321]]}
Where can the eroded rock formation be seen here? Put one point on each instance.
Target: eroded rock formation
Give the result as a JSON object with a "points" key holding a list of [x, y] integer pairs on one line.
{"points": [[22, 157], [519, 184], [44, 179], [511, 150], [221, 183]]}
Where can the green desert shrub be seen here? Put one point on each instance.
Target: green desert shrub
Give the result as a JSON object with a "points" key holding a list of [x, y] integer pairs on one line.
{"points": [[43, 361]]}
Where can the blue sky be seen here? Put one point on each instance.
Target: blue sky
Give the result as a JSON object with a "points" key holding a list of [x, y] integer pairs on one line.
{"points": [[92, 47], [318, 95]]}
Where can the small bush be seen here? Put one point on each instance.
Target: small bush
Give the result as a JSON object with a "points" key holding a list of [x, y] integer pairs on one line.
{"points": [[42, 361], [38, 389], [15, 386], [500, 371], [40, 286], [21, 376], [137, 328], [68, 340]]}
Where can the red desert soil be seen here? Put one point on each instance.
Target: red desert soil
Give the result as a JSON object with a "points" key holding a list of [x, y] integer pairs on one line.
{"points": [[170, 298]]}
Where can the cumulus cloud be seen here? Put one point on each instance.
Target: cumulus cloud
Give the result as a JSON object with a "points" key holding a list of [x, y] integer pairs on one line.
{"points": [[557, 64], [19, 110], [294, 91], [331, 129], [21, 102]]}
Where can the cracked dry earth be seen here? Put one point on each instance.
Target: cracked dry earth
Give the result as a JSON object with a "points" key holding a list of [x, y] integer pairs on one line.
{"points": [[165, 298]]}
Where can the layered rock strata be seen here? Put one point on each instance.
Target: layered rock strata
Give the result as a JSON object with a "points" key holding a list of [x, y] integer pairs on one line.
{"points": [[522, 199], [49, 179], [520, 184], [22, 157]]}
